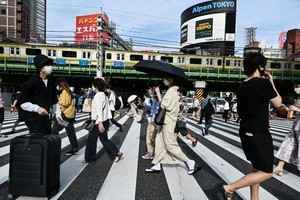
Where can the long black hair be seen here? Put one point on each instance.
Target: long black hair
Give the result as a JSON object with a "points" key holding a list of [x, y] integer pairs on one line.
{"points": [[254, 61]]}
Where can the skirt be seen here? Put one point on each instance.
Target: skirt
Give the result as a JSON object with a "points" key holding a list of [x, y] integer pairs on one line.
{"points": [[289, 150], [258, 148]]}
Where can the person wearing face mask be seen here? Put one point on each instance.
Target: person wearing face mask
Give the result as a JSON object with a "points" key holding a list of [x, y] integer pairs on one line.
{"points": [[65, 114], [289, 151], [167, 149], [38, 95]]}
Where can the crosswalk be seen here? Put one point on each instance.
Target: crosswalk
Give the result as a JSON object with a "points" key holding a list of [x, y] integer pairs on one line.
{"points": [[220, 155]]}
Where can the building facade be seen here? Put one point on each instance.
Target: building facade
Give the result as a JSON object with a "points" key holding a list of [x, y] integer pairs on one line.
{"points": [[23, 20]]}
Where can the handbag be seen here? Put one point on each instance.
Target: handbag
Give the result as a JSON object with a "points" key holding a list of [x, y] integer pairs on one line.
{"points": [[160, 116], [89, 125]]}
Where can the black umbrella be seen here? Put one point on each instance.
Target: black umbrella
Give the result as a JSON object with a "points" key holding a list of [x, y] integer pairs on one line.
{"points": [[161, 69]]}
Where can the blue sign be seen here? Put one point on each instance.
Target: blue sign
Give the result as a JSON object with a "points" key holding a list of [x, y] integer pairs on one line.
{"points": [[213, 5], [118, 65], [60, 61], [30, 60], [84, 63]]}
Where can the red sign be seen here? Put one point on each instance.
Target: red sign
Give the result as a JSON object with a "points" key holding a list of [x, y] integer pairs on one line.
{"points": [[87, 30], [282, 39]]}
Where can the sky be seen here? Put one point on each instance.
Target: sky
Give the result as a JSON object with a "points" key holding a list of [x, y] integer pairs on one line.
{"points": [[160, 19]]}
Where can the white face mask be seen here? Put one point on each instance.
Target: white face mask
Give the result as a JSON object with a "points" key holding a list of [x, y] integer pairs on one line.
{"points": [[166, 82], [57, 87], [47, 70], [297, 90], [94, 89]]}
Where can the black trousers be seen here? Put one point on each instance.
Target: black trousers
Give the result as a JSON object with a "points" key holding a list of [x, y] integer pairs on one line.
{"points": [[70, 130], [114, 121], [91, 145], [40, 125]]}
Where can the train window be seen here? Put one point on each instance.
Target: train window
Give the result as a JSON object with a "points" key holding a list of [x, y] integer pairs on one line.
{"points": [[84, 54], [33, 52], [287, 65], [118, 56], [196, 61], [219, 62], [49, 52], [275, 65], [135, 57], [69, 54], [17, 51], [167, 59], [227, 62], [154, 58], [1, 50], [54, 53], [149, 57], [211, 62], [179, 60], [12, 50], [182, 60], [89, 55], [108, 56], [123, 56], [297, 66]]}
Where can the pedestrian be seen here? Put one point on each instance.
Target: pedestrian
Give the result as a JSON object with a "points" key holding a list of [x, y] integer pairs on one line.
{"points": [[151, 105], [208, 112], [80, 103], [65, 115], [226, 109], [112, 103], [234, 111], [167, 149], [38, 96], [254, 96], [1, 113], [101, 115], [289, 151], [202, 106], [15, 107]]}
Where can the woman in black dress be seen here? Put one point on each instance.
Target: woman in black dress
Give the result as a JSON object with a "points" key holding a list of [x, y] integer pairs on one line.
{"points": [[254, 97]]}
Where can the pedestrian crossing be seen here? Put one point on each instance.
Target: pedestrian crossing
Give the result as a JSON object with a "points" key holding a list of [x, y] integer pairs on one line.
{"points": [[220, 155]]}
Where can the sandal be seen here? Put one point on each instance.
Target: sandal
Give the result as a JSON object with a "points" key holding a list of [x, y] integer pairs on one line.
{"points": [[227, 195], [194, 143]]}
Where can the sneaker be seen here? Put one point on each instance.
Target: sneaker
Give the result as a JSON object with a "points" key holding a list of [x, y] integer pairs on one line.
{"points": [[72, 152], [147, 157], [154, 168], [191, 166]]}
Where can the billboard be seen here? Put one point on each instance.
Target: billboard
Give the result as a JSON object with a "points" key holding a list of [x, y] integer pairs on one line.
{"points": [[211, 23], [204, 28], [282, 39], [87, 31]]}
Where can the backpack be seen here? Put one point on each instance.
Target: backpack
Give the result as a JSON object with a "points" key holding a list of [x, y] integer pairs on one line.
{"points": [[209, 109]]}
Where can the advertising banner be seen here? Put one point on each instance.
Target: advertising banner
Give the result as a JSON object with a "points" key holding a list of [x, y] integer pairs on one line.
{"points": [[204, 28], [87, 31], [184, 34]]}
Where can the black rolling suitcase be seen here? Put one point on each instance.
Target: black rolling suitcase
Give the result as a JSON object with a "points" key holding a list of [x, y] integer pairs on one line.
{"points": [[35, 165]]}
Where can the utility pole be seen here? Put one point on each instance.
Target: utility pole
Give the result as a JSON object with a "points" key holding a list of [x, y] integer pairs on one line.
{"points": [[100, 47]]}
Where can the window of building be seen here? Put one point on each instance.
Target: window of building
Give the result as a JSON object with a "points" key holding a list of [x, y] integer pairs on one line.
{"points": [[3, 11], [69, 54], [1, 50], [167, 59], [197, 61], [108, 56], [275, 65], [135, 57], [33, 52]]}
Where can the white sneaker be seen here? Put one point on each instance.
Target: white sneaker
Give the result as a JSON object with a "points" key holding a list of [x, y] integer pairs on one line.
{"points": [[191, 166], [147, 157], [154, 168]]}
